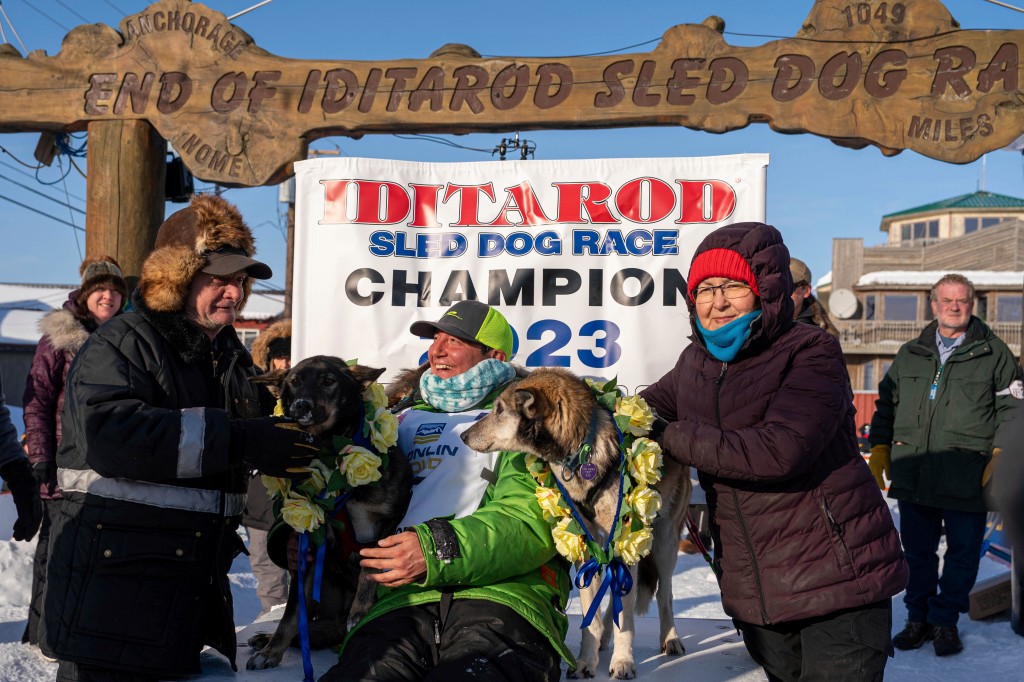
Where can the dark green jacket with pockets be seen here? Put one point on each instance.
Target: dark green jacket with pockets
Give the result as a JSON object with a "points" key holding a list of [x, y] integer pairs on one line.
{"points": [[940, 445]]}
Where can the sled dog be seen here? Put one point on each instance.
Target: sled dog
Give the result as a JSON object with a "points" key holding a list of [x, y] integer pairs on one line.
{"points": [[324, 395], [550, 414]]}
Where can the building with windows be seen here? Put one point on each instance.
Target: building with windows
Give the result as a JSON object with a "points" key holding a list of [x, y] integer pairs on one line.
{"points": [[879, 295]]}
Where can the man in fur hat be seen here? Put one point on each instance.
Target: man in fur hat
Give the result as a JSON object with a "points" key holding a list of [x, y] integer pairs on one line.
{"points": [[160, 429]]}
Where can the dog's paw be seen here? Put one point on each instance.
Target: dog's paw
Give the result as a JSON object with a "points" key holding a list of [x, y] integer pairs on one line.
{"points": [[622, 669], [259, 641], [262, 660], [579, 673], [673, 647]]}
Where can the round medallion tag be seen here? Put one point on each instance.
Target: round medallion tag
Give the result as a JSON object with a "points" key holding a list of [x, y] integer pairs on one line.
{"points": [[589, 471]]}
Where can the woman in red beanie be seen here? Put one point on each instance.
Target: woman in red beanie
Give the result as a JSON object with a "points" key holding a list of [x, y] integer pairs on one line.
{"points": [[804, 545]]}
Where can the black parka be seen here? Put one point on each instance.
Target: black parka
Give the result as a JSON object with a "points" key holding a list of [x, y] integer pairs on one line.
{"points": [[153, 486], [800, 528]]}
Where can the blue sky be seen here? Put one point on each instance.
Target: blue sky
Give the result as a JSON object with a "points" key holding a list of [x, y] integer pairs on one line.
{"points": [[816, 190]]}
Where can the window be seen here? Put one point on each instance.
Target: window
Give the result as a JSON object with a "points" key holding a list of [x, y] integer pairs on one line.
{"points": [[981, 307], [1008, 309], [247, 336], [905, 232], [869, 377], [900, 307], [885, 367], [933, 229], [990, 222], [970, 225], [869, 307]]}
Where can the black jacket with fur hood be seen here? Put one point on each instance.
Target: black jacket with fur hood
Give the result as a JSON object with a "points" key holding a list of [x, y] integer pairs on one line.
{"points": [[153, 483], [800, 528]]}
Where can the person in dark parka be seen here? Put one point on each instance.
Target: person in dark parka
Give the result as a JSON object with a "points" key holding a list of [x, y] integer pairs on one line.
{"points": [[97, 300], [153, 462], [805, 547], [16, 471]]}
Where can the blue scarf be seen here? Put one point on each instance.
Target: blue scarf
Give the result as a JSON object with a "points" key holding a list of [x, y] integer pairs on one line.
{"points": [[725, 342], [465, 390]]}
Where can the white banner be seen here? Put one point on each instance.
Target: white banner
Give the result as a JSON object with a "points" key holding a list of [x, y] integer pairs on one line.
{"points": [[586, 258]]}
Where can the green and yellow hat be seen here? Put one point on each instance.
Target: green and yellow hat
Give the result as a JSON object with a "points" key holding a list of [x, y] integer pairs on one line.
{"points": [[471, 321]]}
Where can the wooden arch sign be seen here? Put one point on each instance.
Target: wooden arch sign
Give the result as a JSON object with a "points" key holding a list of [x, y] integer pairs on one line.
{"points": [[898, 75]]}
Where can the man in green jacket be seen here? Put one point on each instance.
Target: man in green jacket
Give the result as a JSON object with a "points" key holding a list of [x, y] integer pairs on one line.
{"points": [[934, 435], [475, 588]]}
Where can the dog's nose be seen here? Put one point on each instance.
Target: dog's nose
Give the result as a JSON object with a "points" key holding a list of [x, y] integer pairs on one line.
{"points": [[300, 407]]}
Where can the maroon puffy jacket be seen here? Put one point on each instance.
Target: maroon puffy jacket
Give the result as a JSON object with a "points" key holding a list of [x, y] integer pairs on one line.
{"points": [[43, 400], [800, 528]]}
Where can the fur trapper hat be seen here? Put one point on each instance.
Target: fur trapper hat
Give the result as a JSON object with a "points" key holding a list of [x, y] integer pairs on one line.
{"points": [[207, 235], [273, 342], [99, 272]]}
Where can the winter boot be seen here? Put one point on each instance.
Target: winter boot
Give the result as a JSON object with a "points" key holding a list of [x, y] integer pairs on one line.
{"points": [[947, 640], [913, 635]]}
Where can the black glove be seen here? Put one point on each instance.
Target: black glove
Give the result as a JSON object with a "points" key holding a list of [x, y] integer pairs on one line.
{"points": [[658, 430], [25, 491], [274, 446], [45, 473]]}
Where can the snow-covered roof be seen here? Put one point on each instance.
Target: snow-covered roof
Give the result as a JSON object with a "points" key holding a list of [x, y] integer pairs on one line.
{"points": [[980, 278], [824, 280], [23, 305], [263, 305]]}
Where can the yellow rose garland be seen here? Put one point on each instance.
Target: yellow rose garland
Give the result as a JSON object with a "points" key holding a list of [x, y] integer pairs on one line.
{"points": [[641, 466], [308, 505]]}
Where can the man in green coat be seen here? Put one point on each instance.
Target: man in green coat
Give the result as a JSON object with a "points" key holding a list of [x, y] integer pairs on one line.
{"points": [[934, 435], [475, 588]]}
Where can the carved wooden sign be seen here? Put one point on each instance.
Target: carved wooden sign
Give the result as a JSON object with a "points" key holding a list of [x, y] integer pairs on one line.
{"points": [[898, 75]]}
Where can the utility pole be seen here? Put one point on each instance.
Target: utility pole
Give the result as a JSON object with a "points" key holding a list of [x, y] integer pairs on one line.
{"points": [[286, 195]]}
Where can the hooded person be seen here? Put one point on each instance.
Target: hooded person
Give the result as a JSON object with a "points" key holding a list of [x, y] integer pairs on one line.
{"points": [[807, 308], [160, 429], [98, 299], [272, 350], [805, 548]]}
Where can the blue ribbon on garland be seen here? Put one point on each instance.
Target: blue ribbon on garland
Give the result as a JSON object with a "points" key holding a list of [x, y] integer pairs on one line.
{"points": [[617, 577], [318, 574]]}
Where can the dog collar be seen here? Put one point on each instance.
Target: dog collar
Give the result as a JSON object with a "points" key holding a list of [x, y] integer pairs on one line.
{"points": [[579, 461]]}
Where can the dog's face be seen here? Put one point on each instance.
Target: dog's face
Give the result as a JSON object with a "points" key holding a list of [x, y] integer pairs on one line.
{"points": [[543, 414], [323, 394]]}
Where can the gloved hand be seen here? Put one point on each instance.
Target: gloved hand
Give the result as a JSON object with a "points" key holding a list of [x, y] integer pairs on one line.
{"points": [[18, 474], [274, 446], [880, 463], [657, 429], [986, 475], [45, 474]]}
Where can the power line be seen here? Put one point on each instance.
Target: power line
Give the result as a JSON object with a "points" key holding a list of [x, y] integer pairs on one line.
{"points": [[120, 11], [45, 196], [42, 213], [72, 11], [36, 9], [32, 175], [13, 30]]}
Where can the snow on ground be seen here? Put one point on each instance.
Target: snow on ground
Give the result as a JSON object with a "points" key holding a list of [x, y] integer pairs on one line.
{"points": [[714, 652]]}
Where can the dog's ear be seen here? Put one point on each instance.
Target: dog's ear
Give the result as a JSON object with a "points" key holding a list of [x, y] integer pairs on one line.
{"points": [[527, 403], [273, 377], [365, 375]]}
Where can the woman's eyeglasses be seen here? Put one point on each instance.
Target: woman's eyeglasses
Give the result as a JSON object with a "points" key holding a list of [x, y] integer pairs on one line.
{"points": [[730, 290]]}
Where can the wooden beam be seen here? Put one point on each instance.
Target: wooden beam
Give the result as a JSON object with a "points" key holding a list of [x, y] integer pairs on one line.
{"points": [[125, 192]]}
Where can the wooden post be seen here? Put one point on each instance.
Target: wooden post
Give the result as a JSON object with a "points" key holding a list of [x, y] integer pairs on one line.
{"points": [[125, 192], [290, 259]]}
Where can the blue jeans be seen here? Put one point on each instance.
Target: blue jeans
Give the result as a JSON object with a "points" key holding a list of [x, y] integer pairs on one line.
{"points": [[933, 598]]}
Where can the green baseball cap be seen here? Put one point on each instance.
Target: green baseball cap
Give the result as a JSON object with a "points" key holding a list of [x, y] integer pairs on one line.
{"points": [[471, 321]]}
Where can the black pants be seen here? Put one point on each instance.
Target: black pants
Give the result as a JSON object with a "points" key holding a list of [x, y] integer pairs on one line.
{"points": [[35, 606], [849, 645], [464, 639]]}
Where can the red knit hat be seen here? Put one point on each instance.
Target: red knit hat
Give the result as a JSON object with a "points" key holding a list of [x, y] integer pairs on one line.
{"points": [[720, 263]]}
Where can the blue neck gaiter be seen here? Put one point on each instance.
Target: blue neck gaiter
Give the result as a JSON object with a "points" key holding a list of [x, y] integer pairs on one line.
{"points": [[725, 342]]}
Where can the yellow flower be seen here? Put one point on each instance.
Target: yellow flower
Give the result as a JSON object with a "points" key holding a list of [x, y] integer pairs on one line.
{"points": [[383, 430], [276, 487], [374, 394], [570, 545], [640, 416], [319, 472], [646, 502], [548, 499], [359, 465], [301, 514], [530, 460], [634, 546], [645, 461]]}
